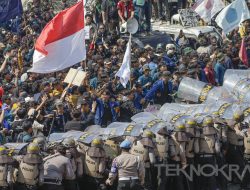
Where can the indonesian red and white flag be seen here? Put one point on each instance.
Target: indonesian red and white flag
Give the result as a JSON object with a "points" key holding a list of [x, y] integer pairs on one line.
{"points": [[243, 53], [207, 9], [61, 43]]}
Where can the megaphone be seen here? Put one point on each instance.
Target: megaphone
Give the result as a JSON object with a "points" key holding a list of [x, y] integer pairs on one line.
{"points": [[123, 28], [131, 26]]}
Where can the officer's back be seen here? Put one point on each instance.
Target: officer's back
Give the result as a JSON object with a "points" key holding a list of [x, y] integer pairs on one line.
{"points": [[57, 168]]}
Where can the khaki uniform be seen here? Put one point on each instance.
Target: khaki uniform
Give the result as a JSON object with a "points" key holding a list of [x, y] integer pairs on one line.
{"points": [[127, 166], [235, 137], [177, 146], [6, 171], [94, 167], [95, 163], [56, 168], [145, 150], [247, 144], [111, 149], [209, 146], [30, 171], [162, 147]]}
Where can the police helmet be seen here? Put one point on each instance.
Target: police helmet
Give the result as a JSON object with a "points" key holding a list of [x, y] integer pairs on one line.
{"points": [[208, 121], [180, 127], [191, 123], [126, 144], [69, 142], [97, 142], [216, 114], [33, 148], [40, 141], [238, 116], [148, 133], [3, 150]]}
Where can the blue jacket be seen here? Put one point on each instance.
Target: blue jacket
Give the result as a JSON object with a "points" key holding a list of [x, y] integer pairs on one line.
{"points": [[158, 86], [100, 111], [219, 72], [137, 100]]}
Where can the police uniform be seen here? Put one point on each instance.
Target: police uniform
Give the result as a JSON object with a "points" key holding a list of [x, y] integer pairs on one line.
{"points": [[162, 145], [145, 149], [208, 148], [129, 168], [6, 169], [191, 145], [76, 162], [177, 144], [30, 170], [235, 138], [95, 165], [221, 127], [57, 168]]}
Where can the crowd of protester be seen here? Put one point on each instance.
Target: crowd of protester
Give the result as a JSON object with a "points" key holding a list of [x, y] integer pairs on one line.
{"points": [[31, 101]]}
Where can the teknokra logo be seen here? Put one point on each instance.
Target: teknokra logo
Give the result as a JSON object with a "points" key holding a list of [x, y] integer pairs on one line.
{"points": [[4, 5]]}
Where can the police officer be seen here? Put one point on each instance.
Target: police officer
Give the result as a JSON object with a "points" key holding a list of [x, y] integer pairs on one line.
{"points": [[162, 149], [76, 161], [129, 168], [208, 148], [245, 181], [42, 145], [57, 167], [30, 170], [6, 170], [191, 128], [177, 144], [95, 165], [221, 126], [145, 149], [235, 140]]}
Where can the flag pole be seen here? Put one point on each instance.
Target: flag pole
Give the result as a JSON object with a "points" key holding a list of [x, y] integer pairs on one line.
{"points": [[130, 36]]}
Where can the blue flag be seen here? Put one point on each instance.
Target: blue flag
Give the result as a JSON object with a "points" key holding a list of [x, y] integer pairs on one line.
{"points": [[10, 9]]}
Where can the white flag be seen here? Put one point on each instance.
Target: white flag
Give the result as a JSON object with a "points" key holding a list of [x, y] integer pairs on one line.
{"points": [[208, 8], [124, 71], [232, 15]]}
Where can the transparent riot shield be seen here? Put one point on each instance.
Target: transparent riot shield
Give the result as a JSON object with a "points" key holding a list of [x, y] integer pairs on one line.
{"points": [[16, 148], [232, 77], [193, 90]]}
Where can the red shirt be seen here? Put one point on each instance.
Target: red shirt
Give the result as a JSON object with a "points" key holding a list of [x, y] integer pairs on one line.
{"points": [[210, 75], [125, 10]]}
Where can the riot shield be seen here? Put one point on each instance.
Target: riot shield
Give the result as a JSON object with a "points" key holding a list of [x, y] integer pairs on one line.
{"points": [[87, 138], [143, 117], [117, 129], [73, 134], [193, 90], [220, 94], [55, 137], [232, 77], [17, 148], [93, 129]]}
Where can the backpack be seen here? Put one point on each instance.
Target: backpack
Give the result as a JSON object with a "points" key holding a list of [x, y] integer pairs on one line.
{"points": [[20, 137]]}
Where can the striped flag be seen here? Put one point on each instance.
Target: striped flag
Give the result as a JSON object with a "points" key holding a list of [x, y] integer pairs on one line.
{"points": [[243, 53], [61, 43]]}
